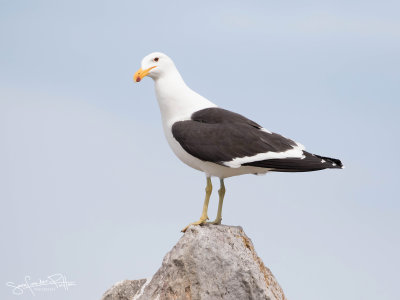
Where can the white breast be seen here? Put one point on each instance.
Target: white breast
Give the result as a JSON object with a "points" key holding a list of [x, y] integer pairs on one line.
{"points": [[177, 103]]}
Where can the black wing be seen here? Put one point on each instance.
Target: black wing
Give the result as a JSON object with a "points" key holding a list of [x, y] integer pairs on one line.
{"points": [[310, 162], [219, 136]]}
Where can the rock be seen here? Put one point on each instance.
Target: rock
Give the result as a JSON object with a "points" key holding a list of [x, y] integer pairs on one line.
{"points": [[209, 262], [124, 290]]}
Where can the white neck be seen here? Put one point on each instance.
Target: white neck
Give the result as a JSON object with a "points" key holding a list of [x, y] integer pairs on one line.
{"points": [[176, 100]]}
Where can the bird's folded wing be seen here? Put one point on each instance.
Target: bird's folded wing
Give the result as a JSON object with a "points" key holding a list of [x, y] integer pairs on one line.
{"points": [[226, 138]]}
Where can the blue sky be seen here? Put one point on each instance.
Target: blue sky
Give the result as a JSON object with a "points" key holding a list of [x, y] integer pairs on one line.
{"points": [[90, 189]]}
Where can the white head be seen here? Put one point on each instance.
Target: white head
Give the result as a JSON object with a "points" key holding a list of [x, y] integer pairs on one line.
{"points": [[155, 65], [177, 101]]}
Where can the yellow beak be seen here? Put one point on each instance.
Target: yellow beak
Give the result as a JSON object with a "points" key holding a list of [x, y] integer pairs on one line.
{"points": [[141, 73]]}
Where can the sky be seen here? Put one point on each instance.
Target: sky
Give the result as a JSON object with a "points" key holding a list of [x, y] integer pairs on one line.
{"points": [[90, 189]]}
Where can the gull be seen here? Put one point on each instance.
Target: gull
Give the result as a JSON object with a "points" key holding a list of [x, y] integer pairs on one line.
{"points": [[216, 141]]}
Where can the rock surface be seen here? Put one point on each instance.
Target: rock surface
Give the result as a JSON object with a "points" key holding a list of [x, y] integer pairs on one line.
{"points": [[209, 262], [124, 290]]}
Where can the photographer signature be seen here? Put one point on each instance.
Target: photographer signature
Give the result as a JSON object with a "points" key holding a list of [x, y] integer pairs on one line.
{"points": [[51, 283]]}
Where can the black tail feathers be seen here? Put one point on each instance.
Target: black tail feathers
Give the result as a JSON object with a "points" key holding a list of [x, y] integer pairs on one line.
{"points": [[335, 162]]}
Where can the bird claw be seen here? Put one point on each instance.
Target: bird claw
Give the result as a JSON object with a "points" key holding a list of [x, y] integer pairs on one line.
{"points": [[199, 222]]}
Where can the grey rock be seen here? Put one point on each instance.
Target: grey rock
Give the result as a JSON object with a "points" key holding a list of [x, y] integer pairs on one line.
{"points": [[124, 290], [209, 262]]}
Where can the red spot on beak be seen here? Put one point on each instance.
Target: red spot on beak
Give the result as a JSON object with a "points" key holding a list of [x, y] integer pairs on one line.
{"points": [[138, 79]]}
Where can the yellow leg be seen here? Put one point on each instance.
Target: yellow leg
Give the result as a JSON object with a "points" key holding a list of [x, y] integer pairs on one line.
{"points": [[221, 193], [204, 217]]}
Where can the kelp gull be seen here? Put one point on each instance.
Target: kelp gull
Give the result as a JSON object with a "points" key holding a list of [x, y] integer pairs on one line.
{"points": [[219, 142]]}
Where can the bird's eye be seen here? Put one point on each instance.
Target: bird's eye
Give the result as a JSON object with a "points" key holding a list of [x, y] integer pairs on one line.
{"points": [[156, 59]]}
